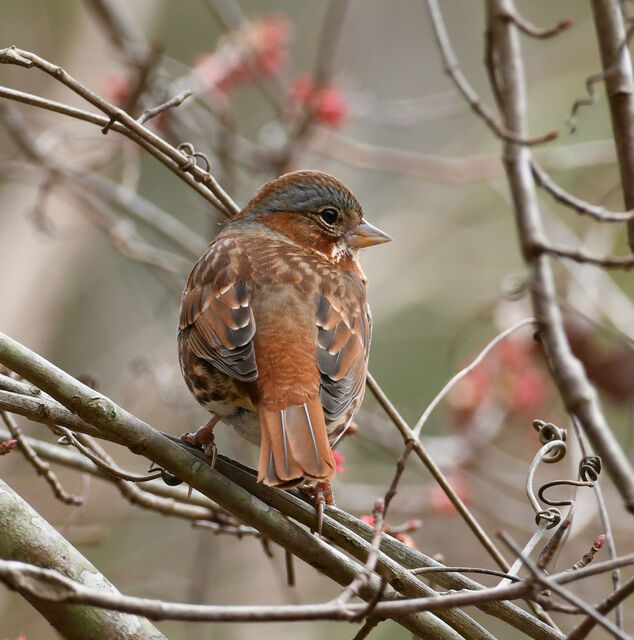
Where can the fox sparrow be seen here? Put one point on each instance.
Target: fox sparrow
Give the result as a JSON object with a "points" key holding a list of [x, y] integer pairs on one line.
{"points": [[275, 327]]}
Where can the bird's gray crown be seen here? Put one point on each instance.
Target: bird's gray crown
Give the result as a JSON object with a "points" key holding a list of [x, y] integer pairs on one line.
{"points": [[303, 191]]}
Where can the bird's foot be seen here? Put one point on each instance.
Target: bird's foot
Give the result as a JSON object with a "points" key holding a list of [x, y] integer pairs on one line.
{"points": [[204, 439], [322, 493]]}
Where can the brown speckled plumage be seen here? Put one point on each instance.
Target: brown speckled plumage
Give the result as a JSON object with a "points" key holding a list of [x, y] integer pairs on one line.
{"points": [[275, 328]]}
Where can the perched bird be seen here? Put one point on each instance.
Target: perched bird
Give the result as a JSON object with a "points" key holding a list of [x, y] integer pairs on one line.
{"points": [[275, 327]]}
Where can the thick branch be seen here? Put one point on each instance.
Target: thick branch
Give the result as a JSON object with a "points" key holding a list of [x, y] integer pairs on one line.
{"points": [[619, 86], [116, 424], [31, 539], [578, 395]]}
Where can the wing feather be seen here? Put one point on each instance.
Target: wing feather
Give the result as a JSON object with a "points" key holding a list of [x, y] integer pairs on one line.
{"points": [[343, 342], [216, 315]]}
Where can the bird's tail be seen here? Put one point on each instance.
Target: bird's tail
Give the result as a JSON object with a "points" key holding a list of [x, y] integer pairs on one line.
{"points": [[294, 445]]}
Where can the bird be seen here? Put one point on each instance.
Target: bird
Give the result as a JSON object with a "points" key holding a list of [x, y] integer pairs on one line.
{"points": [[274, 329]]}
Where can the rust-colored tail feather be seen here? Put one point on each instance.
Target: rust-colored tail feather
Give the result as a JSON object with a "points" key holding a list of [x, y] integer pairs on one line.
{"points": [[294, 445]]}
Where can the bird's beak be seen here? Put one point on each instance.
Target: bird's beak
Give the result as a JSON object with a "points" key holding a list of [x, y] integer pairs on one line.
{"points": [[367, 235]]}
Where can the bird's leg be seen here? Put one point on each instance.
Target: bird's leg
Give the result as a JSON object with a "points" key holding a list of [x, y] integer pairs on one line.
{"points": [[321, 492], [203, 437]]}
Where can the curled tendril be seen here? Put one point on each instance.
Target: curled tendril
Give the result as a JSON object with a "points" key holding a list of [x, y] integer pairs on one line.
{"points": [[549, 432], [170, 479], [188, 149], [551, 515], [558, 483], [590, 468], [591, 80]]}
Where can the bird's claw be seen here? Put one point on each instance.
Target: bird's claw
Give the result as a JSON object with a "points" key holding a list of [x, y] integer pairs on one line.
{"points": [[321, 492], [203, 438]]}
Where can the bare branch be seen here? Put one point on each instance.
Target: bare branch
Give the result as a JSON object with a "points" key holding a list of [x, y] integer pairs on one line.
{"points": [[608, 262], [176, 101], [100, 458], [49, 584], [603, 514], [597, 212], [463, 372], [619, 86], [42, 468], [578, 395], [408, 436], [529, 29], [204, 510], [102, 121], [549, 583], [452, 68], [613, 600], [115, 114]]}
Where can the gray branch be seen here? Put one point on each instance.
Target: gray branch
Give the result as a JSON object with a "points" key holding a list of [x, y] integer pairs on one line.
{"points": [[579, 396], [33, 540]]}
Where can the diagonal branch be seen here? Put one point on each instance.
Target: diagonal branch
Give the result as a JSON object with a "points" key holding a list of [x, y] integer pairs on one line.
{"points": [[595, 211], [103, 121], [255, 504], [113, 422], [452, 68], [42, 468], [613, 600], [31, 539]]}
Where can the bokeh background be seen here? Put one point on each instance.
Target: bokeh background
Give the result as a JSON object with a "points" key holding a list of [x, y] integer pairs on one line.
{"points": [[392, 127]]}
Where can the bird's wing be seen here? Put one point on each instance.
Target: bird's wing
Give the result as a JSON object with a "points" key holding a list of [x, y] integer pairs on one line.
{"points": [[343, 341], [216, 315]]}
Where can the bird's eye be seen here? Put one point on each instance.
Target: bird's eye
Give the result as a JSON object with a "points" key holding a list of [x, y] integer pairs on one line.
{"points": [[329, 216]]}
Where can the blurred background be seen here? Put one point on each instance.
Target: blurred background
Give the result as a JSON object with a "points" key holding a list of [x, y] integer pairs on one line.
{"points": [[357, 91]]}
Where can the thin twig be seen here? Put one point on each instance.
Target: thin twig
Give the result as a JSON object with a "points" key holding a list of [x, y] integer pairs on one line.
{"points": [[486, 572], [70, 438], [11, 54], [366, 628], [549, 583], [613, 600], [529, 29], [102, 121], [354, 587], [452, 68], [205, 509], [400, 467], [608, 262], [463, 372], [605, 520], [42, 468], [408, 436], [595, 211], [235, 530], [176, 101]]}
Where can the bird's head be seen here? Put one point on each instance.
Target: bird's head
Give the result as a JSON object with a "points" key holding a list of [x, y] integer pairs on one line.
{"points": [[316, 211]]}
